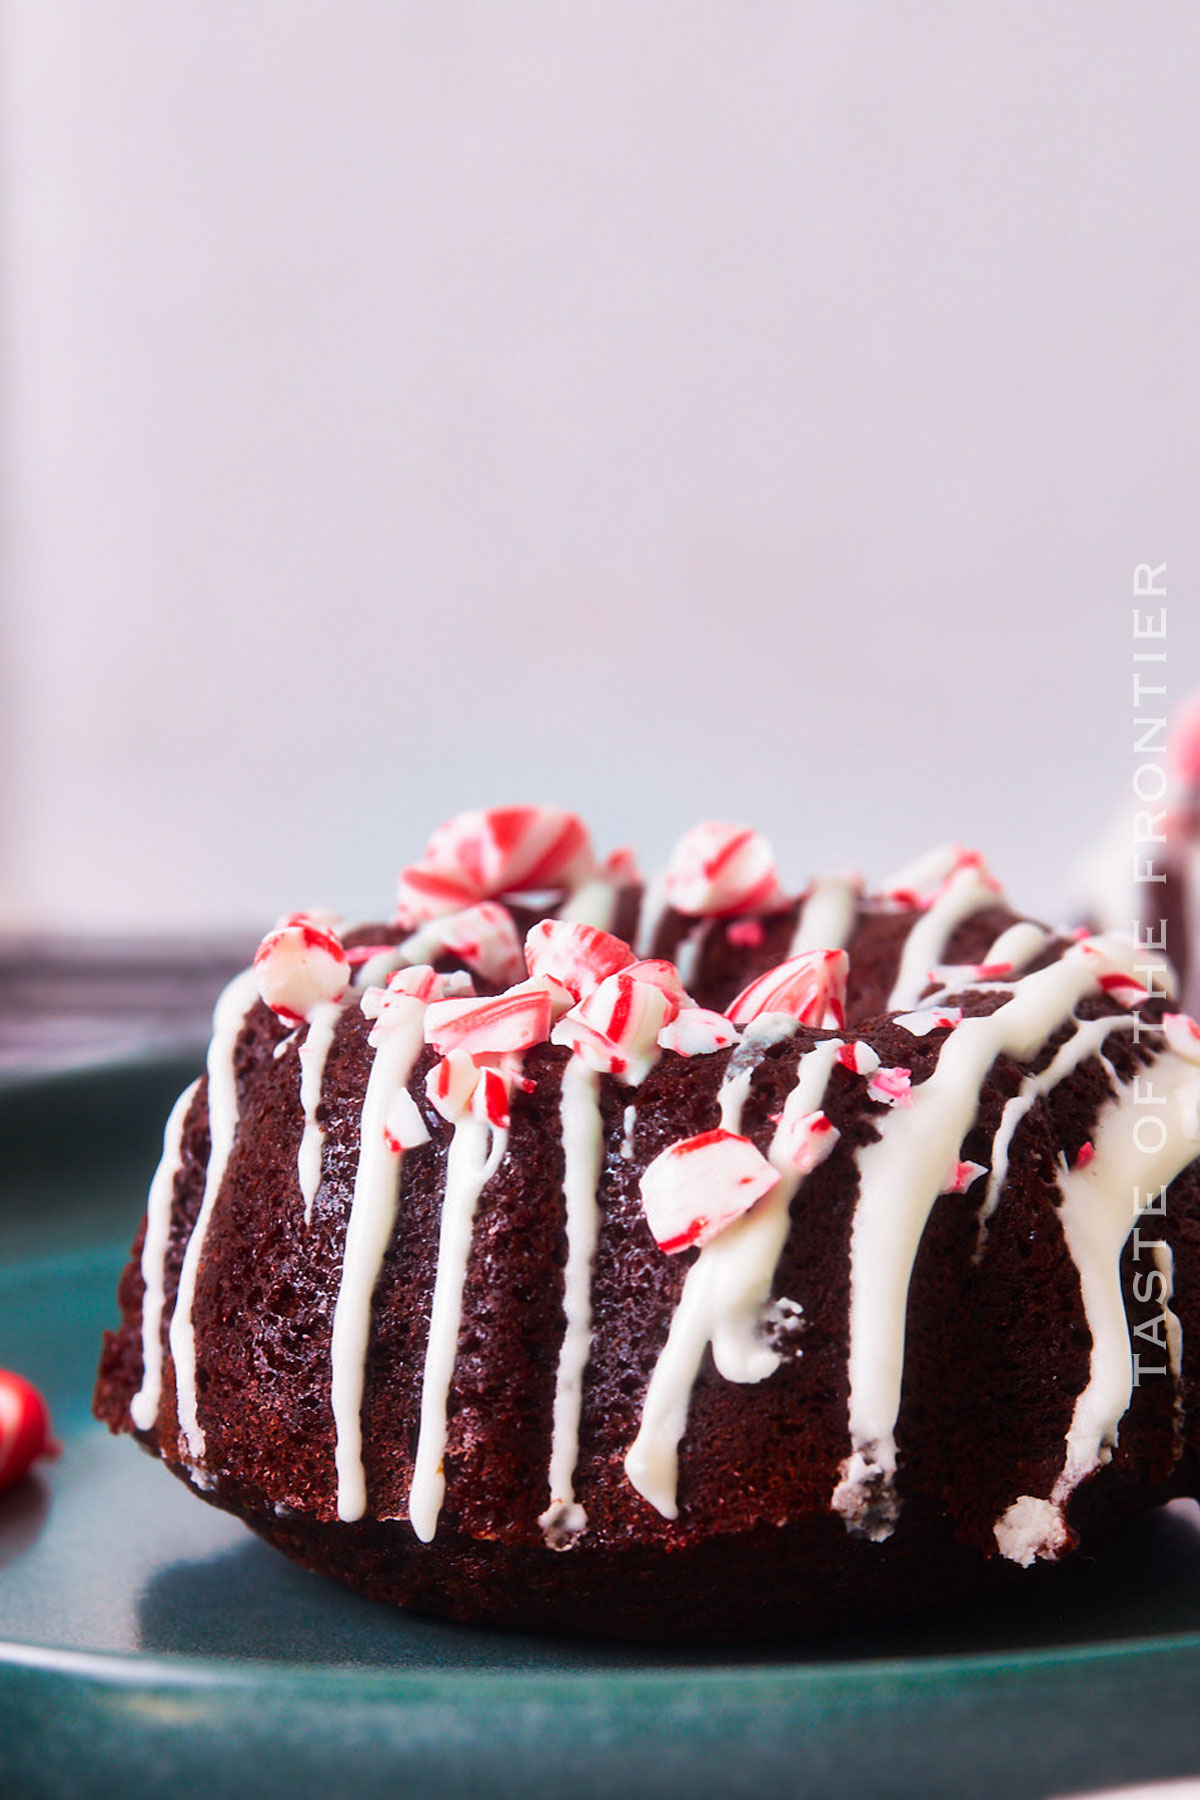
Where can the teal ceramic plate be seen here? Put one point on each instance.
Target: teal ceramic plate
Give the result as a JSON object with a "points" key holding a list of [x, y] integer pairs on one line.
{"points": [[148, 1645]]}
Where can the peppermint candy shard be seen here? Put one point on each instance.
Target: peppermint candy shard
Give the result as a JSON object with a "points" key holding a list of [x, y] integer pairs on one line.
{"points": [[810, 988], [892, 1086], [695, 1189], [451, 1083], [299, 965], [805, 1141], [481, 855], [930, 1018], [1183, 1035], [25, 1433], [615, 1030], [483, 936], [515, 1020], [578, 956], [697, 1032], [404, 1128], [1116, 957], [859, 1057], [964, 1175], [719, 870]]}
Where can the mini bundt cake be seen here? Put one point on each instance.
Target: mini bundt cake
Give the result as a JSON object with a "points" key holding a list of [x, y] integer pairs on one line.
{"points": [[689, 1261]]}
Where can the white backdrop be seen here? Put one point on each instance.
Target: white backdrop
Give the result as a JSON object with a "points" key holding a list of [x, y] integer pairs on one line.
{"points": [[733, 409]]}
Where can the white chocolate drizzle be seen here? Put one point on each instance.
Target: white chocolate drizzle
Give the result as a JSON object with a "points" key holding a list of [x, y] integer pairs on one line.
{"points": [[583, 1147], [826, 917], [143, 1408], [593, 903], [901, 1175], [229, 1015], [1086, 1040], [470, 1164], [967, 891], [368, 1230], [313, 1054], [725, 1295], [1101, 1202], [1018, 945]]}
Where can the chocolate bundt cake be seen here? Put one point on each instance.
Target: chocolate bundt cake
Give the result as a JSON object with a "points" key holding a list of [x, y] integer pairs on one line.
{"points": [[687, 1260]]}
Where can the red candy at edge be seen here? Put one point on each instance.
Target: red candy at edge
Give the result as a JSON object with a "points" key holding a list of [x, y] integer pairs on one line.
{"points": [[25, 1432]]}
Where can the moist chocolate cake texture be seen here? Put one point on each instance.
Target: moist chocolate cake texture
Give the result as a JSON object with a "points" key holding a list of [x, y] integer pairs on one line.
{"points": [[688, 1260]]}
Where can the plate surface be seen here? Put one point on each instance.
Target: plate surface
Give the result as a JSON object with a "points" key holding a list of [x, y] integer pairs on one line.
{"points": [[150, 1645]]}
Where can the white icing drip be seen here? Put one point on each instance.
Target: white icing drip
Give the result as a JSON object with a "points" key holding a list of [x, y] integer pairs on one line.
{"points": [[687, 951], [583, 1146], [650, 915], [629, 1124], [285, 1044], [725, 1295], [229, 1015], [1018, 946], [469, 1167], [1101, 1202], [826, 917], [143, 1408], [368, 1229], [965, 893], [900, 1176], [1088, 1037], [313, 1051], [595, 903]]}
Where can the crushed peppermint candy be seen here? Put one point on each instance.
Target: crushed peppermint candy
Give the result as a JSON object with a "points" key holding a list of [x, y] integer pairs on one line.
{"points": [[963, 1176], [859, 1057], [716, 870], [299, 965], [810, 988], [746, 934], [404, 1128], [615, 1029], [483, 936], [578, 956], [695, 1031], [695, 1189], [804, 1141], [929, 1018], [515, 1020], [1087, 1151], [483, 855], [892, 1086]]}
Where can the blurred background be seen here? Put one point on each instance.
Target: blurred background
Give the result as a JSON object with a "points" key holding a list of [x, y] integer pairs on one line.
{"points": [[674, 410]]}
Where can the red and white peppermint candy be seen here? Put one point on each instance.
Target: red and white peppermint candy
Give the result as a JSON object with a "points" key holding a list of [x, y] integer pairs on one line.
{"points": [[696, 1188], [964, 1175], [923, 881], [1114, 977], [1087, 1154], [892, 1086], [859, 1057], [299, 965], [505, 850], [658, 972], [458, 1085], [615, 1030], [805, 1141], [1183, 1035], [811, 988], [717, 869], [578, 956], [483, 936], [697, 1032], [404, 1128], [25, 1432], [929, 1018], [515, 1020]]}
